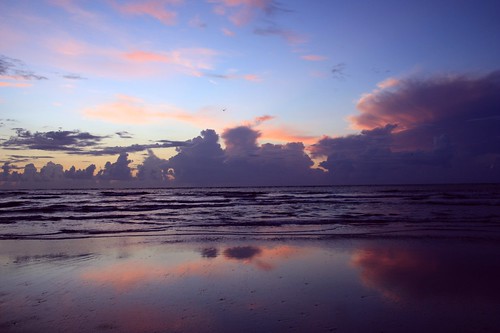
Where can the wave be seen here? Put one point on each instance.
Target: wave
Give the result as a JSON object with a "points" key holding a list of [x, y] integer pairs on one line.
{"points": [[70, 213]]}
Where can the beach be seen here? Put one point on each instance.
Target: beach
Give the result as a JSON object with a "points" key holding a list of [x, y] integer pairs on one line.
{"points": [[134, 284], [315, 259]]}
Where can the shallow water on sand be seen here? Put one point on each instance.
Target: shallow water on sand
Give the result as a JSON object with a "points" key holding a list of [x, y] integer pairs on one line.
{"points": [[149, 285]]}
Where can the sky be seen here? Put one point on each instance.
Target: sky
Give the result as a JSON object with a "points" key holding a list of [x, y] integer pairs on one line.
{"points": [[248, 92]]}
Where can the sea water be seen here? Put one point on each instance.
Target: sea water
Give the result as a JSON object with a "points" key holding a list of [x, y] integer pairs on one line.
{"points": [[254, 212]]}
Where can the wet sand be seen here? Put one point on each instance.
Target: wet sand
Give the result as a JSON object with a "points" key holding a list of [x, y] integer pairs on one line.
{"points": [[134, 284]]}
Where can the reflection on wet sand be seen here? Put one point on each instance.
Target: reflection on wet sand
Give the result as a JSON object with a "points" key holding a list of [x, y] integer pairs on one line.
{"points": [[248, 287], [414, 274]]}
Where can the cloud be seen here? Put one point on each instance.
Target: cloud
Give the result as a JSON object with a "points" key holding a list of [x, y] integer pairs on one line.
{"points": [[119, 170], [421, 130], [107, 61], [52, 140], [197, 22], [262, 119], [74, 77], [242, 12], [338, 71], [14, 158], [87, 173], [131, 110], [200, 163], [313, 57], [412, 102], [281, 133], [203, 162], [228, 32], [102, 151], [290, 36], [77, 11], [15, 85], [154, 8], [124, 135], [241, 141], [248, 163], [155, 169], [286, 134], [192, 59], [11, 68], [231, 76]]}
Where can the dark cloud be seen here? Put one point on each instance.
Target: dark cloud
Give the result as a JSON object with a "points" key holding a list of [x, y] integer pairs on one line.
{"points": [[154, 168], [241, 142], [439, 129], [417, 102], [432, 130], [52, 140], [16, 69], [368, 158], [124, 135], [272, 8], [273, 30], [218, 76], [201, 162], [74, 77], [119, 170], [32, 157], [6, 169], [248, 163], [77, 143], [102, 151], [87, 173], [338, 71], [26, 158]]}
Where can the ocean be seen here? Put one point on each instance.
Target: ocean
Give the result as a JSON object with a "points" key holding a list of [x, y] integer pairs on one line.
{"points": [[263, 259], [179, 214]]}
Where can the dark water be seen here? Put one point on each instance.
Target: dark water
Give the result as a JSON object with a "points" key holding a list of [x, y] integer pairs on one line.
{"points": [[273, 212]]}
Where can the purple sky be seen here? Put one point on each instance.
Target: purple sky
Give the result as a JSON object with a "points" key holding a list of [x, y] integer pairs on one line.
{"points": [[248, 92]]}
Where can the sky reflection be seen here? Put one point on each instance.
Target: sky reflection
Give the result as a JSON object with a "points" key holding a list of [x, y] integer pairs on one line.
{"points": [[147, 286]]}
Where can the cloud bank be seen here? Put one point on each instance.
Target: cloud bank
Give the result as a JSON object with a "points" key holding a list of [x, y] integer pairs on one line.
{"points": [[437, 129], [441, 129]]}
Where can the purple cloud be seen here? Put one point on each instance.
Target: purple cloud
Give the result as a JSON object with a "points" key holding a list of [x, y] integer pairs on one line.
{"points": [[438, 129]]}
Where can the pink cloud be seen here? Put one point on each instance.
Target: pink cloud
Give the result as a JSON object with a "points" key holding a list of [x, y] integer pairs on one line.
{"points": [[71, 7], [154, 8], [263, 118], [278, 133], [70, 47], [77, 56], [284, 134], [228, 32], [412, 102], [143, 56], [131, 110], [313, 57], [192, 60], [15, 85], [252, 77]]}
